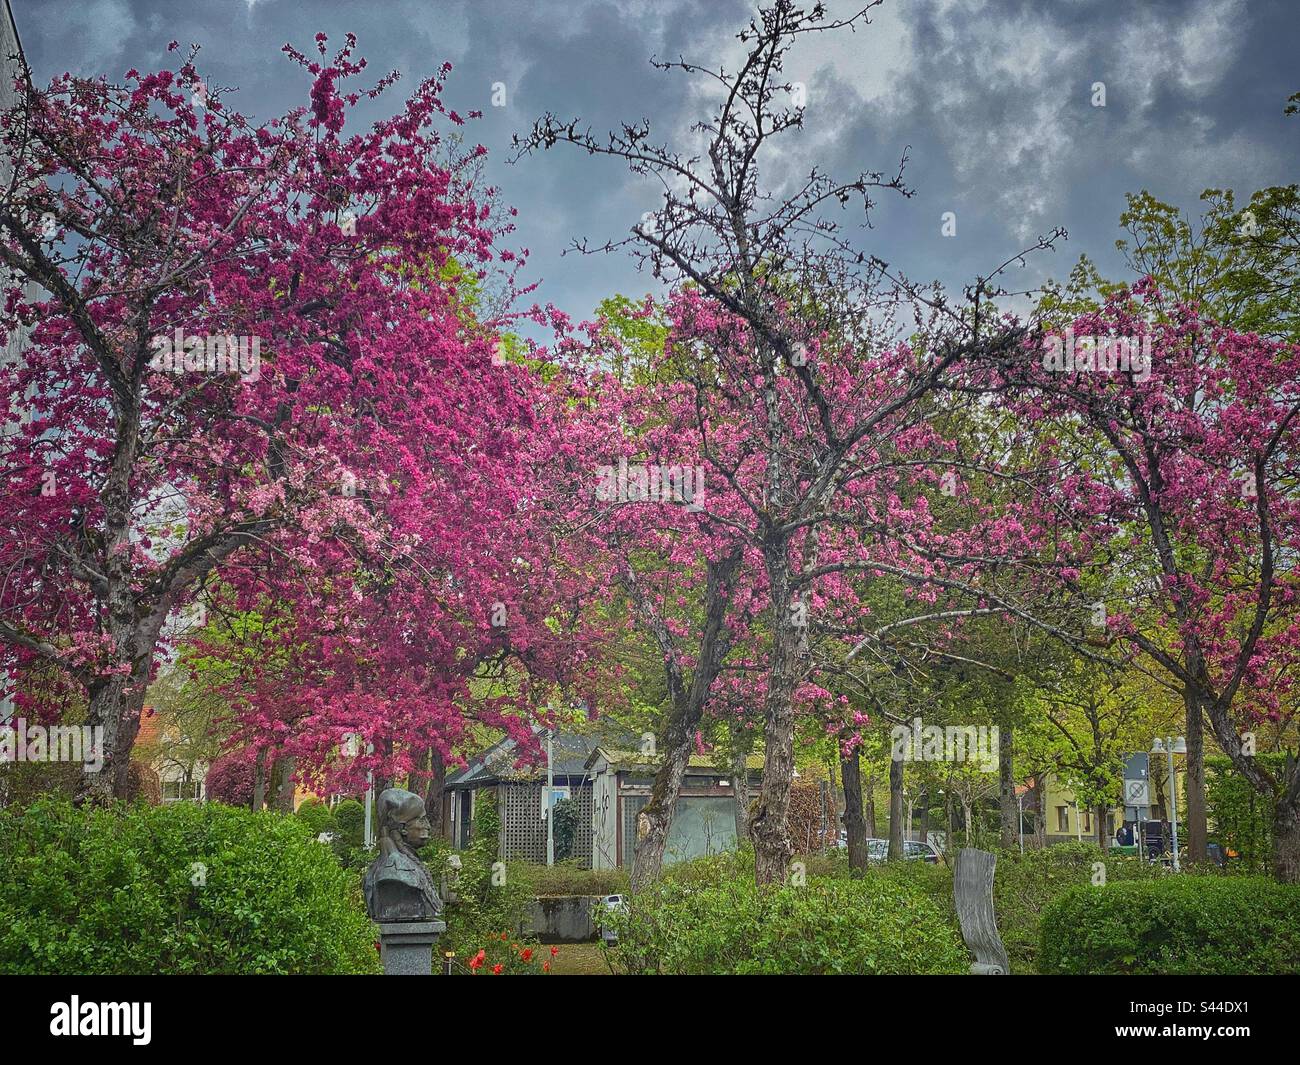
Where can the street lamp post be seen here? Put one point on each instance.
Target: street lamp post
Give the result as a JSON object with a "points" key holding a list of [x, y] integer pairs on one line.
{"points": [[550, 795], [1170, 746], [1020, 802]]}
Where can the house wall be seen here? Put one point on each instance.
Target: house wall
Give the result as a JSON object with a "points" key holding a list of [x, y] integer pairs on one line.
{"points": [[1058, 796], [604, 823], [704, 820]]}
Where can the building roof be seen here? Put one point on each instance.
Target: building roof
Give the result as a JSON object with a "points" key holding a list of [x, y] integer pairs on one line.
{"points": [[622, 759], [151, 728], [570, 752]]}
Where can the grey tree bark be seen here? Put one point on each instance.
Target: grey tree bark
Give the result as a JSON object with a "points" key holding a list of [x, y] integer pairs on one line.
{"points": [[1007, 810], [854, 823], [895, 809], [687, 707]]}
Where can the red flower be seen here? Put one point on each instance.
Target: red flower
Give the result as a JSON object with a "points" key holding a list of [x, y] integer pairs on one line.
{"points": [[527, 955], [546, 966], [554, 951], [477, 961], [496, 969]]}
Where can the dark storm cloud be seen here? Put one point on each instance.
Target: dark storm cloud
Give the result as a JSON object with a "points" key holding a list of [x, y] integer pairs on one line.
{"points": [[993, 100]]}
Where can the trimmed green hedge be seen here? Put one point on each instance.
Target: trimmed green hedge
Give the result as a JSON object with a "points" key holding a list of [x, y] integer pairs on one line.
{"points": [[177, 889], [569, 878], [1026, 884], [714, 920], [1177, 925]]}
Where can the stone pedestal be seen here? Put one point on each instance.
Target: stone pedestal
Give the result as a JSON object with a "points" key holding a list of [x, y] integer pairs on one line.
{"points": [[406, 947]]}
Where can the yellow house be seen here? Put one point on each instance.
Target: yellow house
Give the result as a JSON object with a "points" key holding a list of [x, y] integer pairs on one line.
{"points": [[1065, 820]]}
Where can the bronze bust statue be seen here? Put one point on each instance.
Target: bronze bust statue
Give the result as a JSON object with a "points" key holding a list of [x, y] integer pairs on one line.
{"points": [[398, 886]]}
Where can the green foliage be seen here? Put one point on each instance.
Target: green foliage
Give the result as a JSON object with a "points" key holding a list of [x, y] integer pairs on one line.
{"points": [[641, 340], [568, 878], [1242, 818], [1177, 925], [350, 823], [1025, 885], [564, 814], [316, 815], [1239, 265], [490, 903], [182, 888], [708, 917]]}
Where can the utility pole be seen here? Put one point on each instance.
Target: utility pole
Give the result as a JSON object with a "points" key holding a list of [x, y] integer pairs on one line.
{"points": [[550, 783]]}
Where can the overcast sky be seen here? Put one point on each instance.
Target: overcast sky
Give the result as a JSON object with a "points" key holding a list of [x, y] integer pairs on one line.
{"points": [[992, 99]]}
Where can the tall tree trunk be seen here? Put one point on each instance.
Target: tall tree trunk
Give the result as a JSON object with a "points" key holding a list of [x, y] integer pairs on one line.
{"points": [[1102, 814], [654, 821], [1040, 810], [871, 805], [740, 787], [1195, 827], [684, 716], [284, 800], [854, 824], [116, 702], [895, 809], [772, 847], [950, 817], [433, 789], [259, 780], [1007, 809], [1286, 831], [925, 814]]}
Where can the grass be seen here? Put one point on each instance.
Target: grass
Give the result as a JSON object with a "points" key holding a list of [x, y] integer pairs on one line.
{"points": [[580, 959]]}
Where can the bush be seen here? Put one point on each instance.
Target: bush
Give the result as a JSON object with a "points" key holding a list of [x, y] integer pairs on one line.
{"points": [[564, 816], [230, 778], [492, 904], [569, 878], [181, 888], [142, 784], [1177, 925], [709, 919], [1024, 885], [316, 815]]}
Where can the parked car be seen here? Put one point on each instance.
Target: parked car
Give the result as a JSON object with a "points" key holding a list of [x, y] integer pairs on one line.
{"points": [[610, 904], [915, 850], [878, 849]]}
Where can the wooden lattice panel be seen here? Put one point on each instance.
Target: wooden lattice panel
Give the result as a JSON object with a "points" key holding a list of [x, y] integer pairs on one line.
{"points": [[524, 831]]}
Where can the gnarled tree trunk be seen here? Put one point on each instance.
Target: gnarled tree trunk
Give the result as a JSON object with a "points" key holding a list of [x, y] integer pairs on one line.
{"points": [[684, 715], [740, 788], [855, 825], [1195, 823]]}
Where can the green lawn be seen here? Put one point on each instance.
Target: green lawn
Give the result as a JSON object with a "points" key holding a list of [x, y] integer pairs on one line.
{"points": [[579, 959]]}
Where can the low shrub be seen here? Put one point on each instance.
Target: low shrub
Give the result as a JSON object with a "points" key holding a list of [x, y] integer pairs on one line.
{"points": [[569, 878], [1025, 884], [316, 815], [705, 918], [492, 904], [350, 835], [1176, 925], [231, 778], [178, 889]]}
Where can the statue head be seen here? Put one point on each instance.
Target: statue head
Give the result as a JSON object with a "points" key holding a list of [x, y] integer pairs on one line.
{"points": [[403, 824]]}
